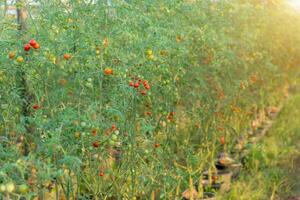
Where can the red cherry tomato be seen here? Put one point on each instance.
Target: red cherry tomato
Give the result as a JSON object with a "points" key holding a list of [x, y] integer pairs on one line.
{"points": [[113, 127], [143, 92], [147, 87], [26, 47], [101, 174], [11, 55], [35, 107], [96, 144], [32, 42], [136, 85]]}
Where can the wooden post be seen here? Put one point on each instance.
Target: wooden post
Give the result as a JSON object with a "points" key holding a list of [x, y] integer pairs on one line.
{"points": [[21, 15], [5, 8], [25, 94]]}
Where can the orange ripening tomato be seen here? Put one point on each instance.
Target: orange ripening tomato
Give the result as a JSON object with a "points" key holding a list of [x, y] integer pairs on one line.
{"points": [[222, 140], [105, 43], [131, 84], [253, 78], [242, 86], [113, 127], [101, 174], [94, 132], [20, 59], [108, 71], [179, 38], [67, 56], [36, 46], [11, 55], [156, 145]]}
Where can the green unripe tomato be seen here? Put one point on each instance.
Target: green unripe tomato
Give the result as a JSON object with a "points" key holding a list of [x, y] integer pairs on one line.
{"points": [[114, 137], [111, 142], [89, 85], [10, 187], [77, 134], [20, 162], [83, 124], [23, 189], [118, 144], [2, 188]]}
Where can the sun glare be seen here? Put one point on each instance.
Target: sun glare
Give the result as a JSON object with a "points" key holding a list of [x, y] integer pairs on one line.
{"points": [[294, 3]]}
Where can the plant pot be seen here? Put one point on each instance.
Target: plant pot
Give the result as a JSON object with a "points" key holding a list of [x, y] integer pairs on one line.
{"points": [[208, 196], [239, 146], [249, 132], [225, 179], [207, 174], [224, 161], [235, 169], [187, 194], [253, 139], [267, 123], [216, 186], [259, 130], [272, 112], [219, 166], [211, 185]]}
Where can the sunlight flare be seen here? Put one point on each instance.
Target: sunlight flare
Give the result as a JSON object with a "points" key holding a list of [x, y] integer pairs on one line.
{"points": [[294, 3]]}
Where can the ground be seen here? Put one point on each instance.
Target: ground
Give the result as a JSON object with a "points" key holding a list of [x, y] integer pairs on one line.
{"points": [[274, 163]]}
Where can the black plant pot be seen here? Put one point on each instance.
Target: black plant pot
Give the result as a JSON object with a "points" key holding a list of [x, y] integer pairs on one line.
{"points": [[236, 168], [208, 196], [220, 166]]}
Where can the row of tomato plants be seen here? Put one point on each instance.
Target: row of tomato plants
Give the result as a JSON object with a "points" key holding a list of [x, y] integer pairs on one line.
{"points": [[103, 100]]}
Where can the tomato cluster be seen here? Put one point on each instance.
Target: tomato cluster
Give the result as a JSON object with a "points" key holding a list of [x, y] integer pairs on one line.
{"points": [[32, 43], [136, 84]]}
